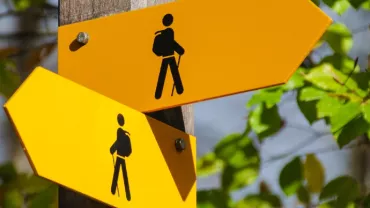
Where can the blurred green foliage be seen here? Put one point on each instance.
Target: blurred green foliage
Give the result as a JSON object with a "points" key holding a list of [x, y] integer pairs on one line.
{"points": [[334, 90]]}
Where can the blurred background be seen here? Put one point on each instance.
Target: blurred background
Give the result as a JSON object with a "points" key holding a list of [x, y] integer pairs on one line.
{"points": [[303, 144]]}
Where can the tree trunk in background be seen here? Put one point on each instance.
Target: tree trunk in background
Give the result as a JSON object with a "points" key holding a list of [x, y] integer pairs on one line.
{"points": [[71, 11]]}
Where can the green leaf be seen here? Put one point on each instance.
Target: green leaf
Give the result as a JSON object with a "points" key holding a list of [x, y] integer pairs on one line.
{"points": [[8, 172], [265, 121], [328, 106], [329, 204], [365, 109], [12, 199], [317, 2], [366, 5], [295, 82], [308, 109], [9, 79], [326, 77], [344, 188], [35, 184], [212, 199], [21, 5], [314, 173], [303, 195], [236, 178], [344, 115], [339, 38], [291, 177], [208, 164], [341, 62], [322, 77], [352, 130], [265, 96], [45, 198], [367, 201], [362, 80], [339, 6], [311, 93], [357, 3], [262, 200], [242, 166], [228, 146]]}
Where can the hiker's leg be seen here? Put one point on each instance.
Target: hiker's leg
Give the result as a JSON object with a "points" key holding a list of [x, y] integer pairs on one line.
{"points": [[125, 180], [161, 79], [176, 76], [115, 176]]}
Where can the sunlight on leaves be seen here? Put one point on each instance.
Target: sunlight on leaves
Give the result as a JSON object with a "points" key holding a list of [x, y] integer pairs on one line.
{"points": [[295, 82], [270, 98], [328, 106], [345, 114], [365, 108], [314, 173], [311, 93], [343, 63], [339, 6], [291, 176], [209, 164]]}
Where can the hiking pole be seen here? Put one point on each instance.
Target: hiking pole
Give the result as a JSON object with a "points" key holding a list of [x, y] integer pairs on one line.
{"points": [[117, 180], [178, 66]]}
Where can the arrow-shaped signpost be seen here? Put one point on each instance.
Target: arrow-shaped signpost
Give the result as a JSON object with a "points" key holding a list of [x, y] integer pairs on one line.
{"points": [[96, 146], [86, 130], [225, 49]]}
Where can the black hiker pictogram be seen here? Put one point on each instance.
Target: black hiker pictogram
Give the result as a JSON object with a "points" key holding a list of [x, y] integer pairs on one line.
{"points": [[165, 45], [122, 146]]}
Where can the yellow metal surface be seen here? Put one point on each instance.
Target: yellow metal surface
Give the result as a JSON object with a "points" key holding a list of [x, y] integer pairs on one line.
{"points": [[229, 48], [67, 131]]}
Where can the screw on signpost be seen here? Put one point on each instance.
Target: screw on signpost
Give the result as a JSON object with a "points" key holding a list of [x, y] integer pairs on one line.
{"points": [[82, 38], [113, 168], [180, 144]]}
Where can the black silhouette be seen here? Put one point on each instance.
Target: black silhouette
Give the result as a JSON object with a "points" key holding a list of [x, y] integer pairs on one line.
{"points": [[123, 147], [166, 46]]}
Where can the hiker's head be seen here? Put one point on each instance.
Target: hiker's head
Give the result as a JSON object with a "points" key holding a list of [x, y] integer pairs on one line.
{"points": [[121, 120], [167, 20]]}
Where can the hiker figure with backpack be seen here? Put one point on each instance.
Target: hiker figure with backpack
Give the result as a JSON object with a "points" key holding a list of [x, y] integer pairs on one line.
{"points": [[166, 46], [122, 146]]}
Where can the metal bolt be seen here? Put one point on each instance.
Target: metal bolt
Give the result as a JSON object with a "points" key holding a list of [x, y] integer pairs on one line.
{"points": [[180, 144], [82, 38]]}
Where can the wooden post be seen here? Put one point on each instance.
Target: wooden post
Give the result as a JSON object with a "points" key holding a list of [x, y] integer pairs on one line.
{"points": [[71, 11]]}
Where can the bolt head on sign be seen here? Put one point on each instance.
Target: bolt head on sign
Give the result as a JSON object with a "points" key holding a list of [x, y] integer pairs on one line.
{"points": [[189, 51]]}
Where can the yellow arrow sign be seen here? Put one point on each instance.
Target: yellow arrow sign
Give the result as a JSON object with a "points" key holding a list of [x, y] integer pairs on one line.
{"points": [[225, 48], [99, 147]]}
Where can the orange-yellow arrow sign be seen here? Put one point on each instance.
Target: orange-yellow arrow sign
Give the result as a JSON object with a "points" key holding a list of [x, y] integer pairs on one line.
{"points": [[70, 132], [225, 48]]}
